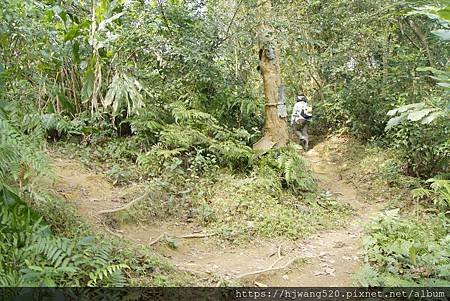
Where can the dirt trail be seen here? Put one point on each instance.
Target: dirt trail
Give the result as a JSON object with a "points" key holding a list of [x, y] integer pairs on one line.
{"points": [[325, 259]]}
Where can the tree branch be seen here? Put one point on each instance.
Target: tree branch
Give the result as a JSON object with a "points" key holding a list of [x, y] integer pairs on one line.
{"points": [[271, 269], [422, 40], [161, 9], [227, 32]]}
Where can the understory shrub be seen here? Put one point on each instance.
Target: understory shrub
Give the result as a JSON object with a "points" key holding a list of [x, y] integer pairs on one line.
{"points": [[30, 255], [425, 149], [289, 168], [405, 251]]}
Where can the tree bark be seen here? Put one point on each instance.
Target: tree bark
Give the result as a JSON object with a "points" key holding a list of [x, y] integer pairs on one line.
{"points": [[423, 40], [96, 58], [275, 128]]}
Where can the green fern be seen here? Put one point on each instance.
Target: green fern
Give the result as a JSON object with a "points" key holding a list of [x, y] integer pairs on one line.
{"points": [[184, 116], [21, 156], [234, 155], [111, 271], [293, 171], [31, 255]]}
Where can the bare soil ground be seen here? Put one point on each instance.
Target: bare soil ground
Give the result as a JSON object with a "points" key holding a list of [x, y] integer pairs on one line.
{"points": [[326, 259]]}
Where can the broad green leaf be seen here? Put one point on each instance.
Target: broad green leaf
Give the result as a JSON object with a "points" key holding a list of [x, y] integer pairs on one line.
{"points": [[395, 121], [411, 106], [71, 34], [445, 85], [430, 118], [442, 34], [88, 84], [392, 112], [112, 91], [103, 24], [427, 69], [418, 115]]}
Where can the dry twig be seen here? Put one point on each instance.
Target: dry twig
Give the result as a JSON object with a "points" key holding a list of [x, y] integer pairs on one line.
{"points": [[186, 236], [269, 269], [124, 207], [196, 235], [157, 239]]}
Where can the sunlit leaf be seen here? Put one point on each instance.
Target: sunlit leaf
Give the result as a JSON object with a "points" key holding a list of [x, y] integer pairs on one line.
{"points": [[430, 118], [442, 34], [418, 115], [104, 23], [395, 121], [444, 13]]}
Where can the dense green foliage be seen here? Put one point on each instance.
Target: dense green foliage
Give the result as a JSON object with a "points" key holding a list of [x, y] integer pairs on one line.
{"points": [[169, 92], [279, 198], [359, 60], [31, 255], [407, 252], [153, 70]]}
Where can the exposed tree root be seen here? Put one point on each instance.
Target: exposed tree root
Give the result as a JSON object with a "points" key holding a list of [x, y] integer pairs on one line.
{"points": [[271, 269], [157, 239], [196, 235], [186, 236], [124, 207], [275, 262], [113, 233]]}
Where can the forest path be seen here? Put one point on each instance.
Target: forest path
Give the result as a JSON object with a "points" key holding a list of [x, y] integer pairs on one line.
{"points": [[326, 259]]}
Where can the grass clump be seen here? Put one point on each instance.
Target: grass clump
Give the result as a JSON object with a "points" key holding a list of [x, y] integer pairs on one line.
{"points": [[279, 198]]}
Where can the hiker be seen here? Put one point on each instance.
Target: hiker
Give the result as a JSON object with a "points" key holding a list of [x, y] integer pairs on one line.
{"points": [[301, 115]]}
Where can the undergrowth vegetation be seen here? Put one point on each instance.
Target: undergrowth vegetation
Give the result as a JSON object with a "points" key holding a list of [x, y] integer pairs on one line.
{"points": [[279, 198], [275, 195], [407, 245], [32, 256], [43, 242], [169, 94], [407, 251]]}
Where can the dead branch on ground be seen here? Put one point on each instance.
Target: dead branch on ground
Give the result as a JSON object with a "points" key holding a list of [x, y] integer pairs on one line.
{"points": [[124, 207]]}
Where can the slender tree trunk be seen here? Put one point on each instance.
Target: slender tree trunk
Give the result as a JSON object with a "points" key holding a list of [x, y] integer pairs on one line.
{"points": [[423, 40], [275, 128], [96, 60]]}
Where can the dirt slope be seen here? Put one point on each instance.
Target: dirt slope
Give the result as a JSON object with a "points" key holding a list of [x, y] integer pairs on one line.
{"points": [[326, 259]]}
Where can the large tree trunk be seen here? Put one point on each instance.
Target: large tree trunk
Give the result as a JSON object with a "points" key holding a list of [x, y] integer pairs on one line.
{"points": [[275, 128]]}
